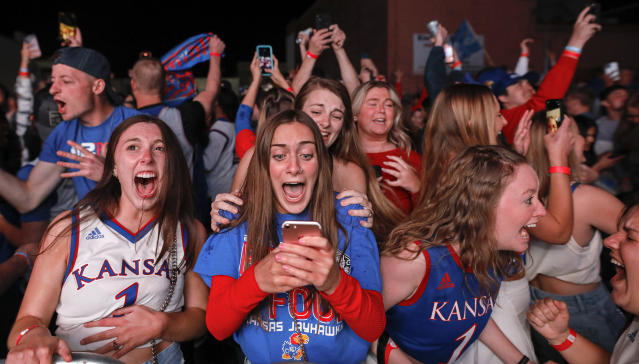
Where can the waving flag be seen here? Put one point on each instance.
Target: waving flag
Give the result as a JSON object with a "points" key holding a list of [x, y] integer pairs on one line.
{"points": [[178, 62], [465, 40]]}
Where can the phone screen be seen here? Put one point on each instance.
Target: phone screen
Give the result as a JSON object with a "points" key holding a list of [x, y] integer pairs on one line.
{"points": [[554, 114], [265, 57], [323, 21], [68, 24]]}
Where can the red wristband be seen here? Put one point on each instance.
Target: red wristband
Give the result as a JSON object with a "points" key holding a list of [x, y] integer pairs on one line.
{"points": [[559, 169], [570, 339], [572, 54], [314, 56], [456, 64], [289, 89], [26, 331], [216, 54], [23, 74], [523, 55]]}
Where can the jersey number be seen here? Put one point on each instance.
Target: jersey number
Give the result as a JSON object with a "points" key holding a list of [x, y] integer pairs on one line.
{"points": [[465, 338], [130, 294]]}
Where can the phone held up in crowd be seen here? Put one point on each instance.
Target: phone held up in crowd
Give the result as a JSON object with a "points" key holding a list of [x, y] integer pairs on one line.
{"points": [[265, 57]]}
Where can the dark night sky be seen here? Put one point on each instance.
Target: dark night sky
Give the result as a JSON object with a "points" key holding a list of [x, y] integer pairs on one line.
{"points": [[120, 32]]}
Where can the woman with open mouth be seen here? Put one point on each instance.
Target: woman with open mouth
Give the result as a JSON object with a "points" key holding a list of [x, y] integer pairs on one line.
{"points": [[570, 272], [314, 298], [117, 268], [442, 268], [551, 318]]}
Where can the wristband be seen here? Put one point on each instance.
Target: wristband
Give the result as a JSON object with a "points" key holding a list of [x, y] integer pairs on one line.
{"points": [[289, 89], [216, 54], [572, 54], [456, 64], [23, 74], [309, 54], [25, 256], [573, 49], [26, 331], [524, 359], [559, 169], [523, 55], [570, 339]]}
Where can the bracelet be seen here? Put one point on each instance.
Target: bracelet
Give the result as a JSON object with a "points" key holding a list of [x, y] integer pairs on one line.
{"points": [[523, 55], [456, 64], [216, 54], [524, 359], [570, 339], [25, 256], [309, 54], [559, 169], [572, 54], [289, 89], [26, 331], [573, 49], [25, 70]]}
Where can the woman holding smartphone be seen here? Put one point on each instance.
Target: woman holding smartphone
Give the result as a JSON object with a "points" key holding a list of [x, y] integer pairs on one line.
{"points": [[570, 272], [117, 268], [317, 299]]}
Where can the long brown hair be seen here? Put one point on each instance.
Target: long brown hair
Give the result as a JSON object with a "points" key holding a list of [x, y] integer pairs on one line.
{"points": [[463, 115], [537, 155], [461, 210], [348, 148], [171, 209]]}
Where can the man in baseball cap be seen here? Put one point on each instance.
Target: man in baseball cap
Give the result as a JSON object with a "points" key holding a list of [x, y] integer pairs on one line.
{"points": [[83, 95]]}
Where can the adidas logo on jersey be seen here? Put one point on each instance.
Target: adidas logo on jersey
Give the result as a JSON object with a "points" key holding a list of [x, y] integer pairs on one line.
{"points": [[95, 234], [446, 282]]}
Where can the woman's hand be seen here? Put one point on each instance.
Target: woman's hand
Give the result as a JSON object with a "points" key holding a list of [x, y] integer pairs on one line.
{"points": [[405, 175], [521, 141], [560, 144], [227, 202], [550, 318], [338, 37], [131, 327], [277, 76], [39, 349], [320, 41], [271, 276], [311, 260], [352, 197], [256, 71]]}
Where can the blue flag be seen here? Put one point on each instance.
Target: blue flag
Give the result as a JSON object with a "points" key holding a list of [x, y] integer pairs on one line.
{"points": [[465, 40], [178, 62]]}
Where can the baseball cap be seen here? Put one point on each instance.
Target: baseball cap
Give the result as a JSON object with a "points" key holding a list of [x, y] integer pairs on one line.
{"points": [[90, 62], [497, 80]]}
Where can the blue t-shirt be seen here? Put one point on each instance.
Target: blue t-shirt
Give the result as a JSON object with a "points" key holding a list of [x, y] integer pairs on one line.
{"points": [[327, 338], [92, 138], [446, 314]]}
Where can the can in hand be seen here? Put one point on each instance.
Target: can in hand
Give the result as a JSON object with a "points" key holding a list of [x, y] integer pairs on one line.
{"points": [[433, 27]]}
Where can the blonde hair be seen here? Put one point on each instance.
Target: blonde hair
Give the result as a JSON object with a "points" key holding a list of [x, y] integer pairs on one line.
{"points": [[463, 115], [397, 135]]}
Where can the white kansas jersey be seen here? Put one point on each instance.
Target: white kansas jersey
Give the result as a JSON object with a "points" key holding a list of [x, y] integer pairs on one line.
{"points": [[109, 268]]}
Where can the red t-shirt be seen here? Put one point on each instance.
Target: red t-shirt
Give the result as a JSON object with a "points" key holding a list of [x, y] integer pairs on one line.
{"points": [[400, 197]]}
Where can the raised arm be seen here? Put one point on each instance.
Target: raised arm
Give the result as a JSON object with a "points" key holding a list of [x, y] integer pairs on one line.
{"points": [[206, 97], [346, 69], [25, 196], [319, 42], [522, 63]]}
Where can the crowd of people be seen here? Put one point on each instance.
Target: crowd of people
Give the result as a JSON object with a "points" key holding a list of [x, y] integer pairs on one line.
{"points": [[321, 220]]}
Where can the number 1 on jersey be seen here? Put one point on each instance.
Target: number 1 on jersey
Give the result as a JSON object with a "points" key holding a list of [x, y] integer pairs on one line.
{"points": [[130, 294], [465, 338]]}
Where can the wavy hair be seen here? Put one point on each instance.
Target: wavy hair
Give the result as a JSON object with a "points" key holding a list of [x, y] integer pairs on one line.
{"points": [[171, 208], [463, 115], [461, 210], [348, 148]]}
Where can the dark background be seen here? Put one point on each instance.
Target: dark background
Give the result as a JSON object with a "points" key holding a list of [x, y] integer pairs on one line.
{"points": [[120, 30]]}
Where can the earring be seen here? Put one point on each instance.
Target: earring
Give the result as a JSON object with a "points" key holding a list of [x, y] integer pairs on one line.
{"points": [[115, 173]]}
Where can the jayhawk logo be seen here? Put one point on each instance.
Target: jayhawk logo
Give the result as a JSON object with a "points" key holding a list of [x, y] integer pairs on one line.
{"points": [[292, 348]]}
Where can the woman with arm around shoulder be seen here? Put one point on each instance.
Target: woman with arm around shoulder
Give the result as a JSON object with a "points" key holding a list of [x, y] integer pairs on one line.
{"points": [[550, 317], [570, 272], [315, 299], [124, 294], [441, 268]]}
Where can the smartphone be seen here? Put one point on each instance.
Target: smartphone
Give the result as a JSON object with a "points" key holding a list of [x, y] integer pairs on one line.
{"points": [[554, 114], [265, 57], [68, 25], [34, 46], [611, 69], [323, 21], [293, 230], [595, 9]]}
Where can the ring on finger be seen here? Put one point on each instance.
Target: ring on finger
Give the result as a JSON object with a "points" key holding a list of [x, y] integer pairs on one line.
{"points": [[116, 346]]}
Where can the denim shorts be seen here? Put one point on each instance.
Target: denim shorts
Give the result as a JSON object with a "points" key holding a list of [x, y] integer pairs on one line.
{"points": [[592, 314], [171, 355]]}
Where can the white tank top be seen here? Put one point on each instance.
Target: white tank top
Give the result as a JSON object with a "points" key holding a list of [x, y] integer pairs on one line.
{"points": [[110, 267], [569, 262]]}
